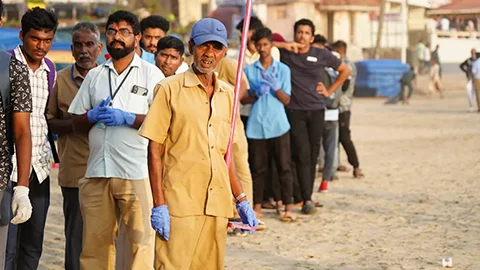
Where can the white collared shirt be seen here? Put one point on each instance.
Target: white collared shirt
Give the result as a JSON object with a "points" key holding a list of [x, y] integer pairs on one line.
{"points": [[41, 151], [117, 152]]}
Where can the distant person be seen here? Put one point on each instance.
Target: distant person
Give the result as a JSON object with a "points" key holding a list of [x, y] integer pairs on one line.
{"points": [[435, 55], [169, 55], [466, 67], [319, 41], [419, 57], [434, 84], [153, 28], [407, 81], [427, 57], [476, 81]]}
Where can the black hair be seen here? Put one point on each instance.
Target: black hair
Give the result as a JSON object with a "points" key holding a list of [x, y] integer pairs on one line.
{"points": [[319, 39], [1, 9], [304, 22], [126, 16], [169, 42], [262, 33], [39, 19], [340, 44], [255, 24], [155, 21]]}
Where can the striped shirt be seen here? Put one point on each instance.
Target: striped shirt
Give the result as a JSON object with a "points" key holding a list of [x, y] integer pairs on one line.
{"points": [[41, 151]]}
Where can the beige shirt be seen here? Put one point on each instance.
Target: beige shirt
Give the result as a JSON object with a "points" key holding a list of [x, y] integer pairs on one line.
{"points": [[72, 147], [195, 132]]}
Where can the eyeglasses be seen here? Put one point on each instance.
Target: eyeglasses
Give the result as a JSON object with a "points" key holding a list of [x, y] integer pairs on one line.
{"points": [[123, 32]]}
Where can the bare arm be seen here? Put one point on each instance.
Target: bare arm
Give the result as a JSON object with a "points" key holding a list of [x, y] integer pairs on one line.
{"points": [[235, 183], [60, 126], [284, 98], [343, 73], [139, 118], [155, 171], [81, 123], [23, 146]]}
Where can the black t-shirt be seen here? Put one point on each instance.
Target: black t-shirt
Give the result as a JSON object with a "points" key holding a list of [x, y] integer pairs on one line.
{"points": [[307, 70]]}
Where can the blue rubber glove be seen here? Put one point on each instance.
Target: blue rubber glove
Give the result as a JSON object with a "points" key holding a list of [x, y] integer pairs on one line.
{"points": [[262, 90], [93, 114], [246, 213], [272, 81], [116, 117], [160, 220]]}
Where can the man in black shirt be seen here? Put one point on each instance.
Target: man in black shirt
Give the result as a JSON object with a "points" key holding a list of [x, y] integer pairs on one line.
{"points": [[306, 111]]}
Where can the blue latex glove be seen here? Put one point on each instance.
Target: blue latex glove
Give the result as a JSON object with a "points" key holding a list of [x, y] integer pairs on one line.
{"points": [[160, 220], [262, 90], [272, 81], [116, 117], [93, 114], [246, 213]]}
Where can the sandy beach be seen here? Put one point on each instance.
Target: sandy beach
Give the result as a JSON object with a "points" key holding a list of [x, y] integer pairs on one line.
{"points": [[419, 202]]}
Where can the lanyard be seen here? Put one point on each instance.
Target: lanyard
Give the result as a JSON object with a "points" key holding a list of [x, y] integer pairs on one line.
{"points": [[119, 86], [73, 78]]}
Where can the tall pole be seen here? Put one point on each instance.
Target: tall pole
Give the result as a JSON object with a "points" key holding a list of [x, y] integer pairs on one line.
{"points": [[404, 35], [241, 58]]}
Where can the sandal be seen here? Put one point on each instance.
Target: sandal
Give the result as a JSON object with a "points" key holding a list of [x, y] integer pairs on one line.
{"points": [[342, 168], [289, 217], [357, 173]]}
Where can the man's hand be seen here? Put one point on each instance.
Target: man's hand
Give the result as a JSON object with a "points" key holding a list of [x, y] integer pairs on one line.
{"points": [[322, 90], [160, 221], [246, 213], [21, 206], [116, 117], [94, 114], [272, 81], [293, 46]]}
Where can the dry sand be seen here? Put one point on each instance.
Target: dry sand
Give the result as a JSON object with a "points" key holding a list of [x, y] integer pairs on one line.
{"points": [[419, 203]]}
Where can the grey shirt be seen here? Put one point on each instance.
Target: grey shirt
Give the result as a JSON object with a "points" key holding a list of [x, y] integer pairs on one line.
{"points": [[347, 96]]}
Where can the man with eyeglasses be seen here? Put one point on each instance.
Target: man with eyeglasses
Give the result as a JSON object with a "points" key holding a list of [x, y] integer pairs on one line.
{"points": [[73, 146], [115, 195]]}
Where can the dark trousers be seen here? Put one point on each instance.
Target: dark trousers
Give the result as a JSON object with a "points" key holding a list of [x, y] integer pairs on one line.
{"points": [[25, 241], [73, 228], [306, 133], [279, 149], [346, 139]]}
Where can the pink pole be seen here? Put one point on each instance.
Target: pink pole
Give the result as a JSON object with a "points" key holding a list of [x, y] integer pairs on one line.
{"points": [[241, 58]]}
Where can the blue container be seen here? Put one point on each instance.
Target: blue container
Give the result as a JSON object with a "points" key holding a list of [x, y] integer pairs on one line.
{"points": [[379, 78]]}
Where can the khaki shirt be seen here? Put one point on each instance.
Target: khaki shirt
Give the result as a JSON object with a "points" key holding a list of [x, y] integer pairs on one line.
{"points": [[72, 147], [195, 133]]}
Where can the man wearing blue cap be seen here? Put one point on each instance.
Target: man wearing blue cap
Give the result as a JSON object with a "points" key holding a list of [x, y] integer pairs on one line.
{"points": [[188, 126]]}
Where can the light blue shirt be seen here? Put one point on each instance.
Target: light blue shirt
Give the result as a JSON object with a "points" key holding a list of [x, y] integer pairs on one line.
{"points": [[117, 152], [268, 118], [476, 69], [149, 57]]}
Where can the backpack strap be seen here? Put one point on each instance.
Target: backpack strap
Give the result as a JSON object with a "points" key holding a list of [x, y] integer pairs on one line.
{"points": [[51, 77]]}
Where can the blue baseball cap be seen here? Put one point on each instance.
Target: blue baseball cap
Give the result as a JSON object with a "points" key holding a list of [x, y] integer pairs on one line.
{"points": [[209, 29]]}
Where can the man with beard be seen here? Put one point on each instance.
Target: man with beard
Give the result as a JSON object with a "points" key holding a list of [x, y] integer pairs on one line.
{"points": [[188, 127], [73, 146], [115, 196], [153, 29], [306, 110], [25, 241]]}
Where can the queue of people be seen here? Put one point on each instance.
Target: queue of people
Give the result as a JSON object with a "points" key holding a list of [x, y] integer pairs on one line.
{"points": [[143, 136]]}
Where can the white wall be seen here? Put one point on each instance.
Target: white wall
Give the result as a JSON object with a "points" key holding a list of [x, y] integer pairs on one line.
{"points": [[455, 50]]}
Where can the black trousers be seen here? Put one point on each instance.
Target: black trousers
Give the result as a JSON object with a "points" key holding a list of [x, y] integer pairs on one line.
{"points": [[25, 241], [346, 140], [306, 133], [73, 228], [279, 149]]}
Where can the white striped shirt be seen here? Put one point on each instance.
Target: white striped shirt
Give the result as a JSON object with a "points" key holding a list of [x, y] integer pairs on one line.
{"points": [[41, 151]]}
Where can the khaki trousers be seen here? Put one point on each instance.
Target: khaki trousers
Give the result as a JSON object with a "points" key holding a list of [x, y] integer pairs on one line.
{"points": [[116, 223], [196, 243], [476, 85]]}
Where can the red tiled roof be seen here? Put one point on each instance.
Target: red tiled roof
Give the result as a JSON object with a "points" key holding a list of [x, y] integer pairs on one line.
{"points": [[350, 2], [461, 4]]}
